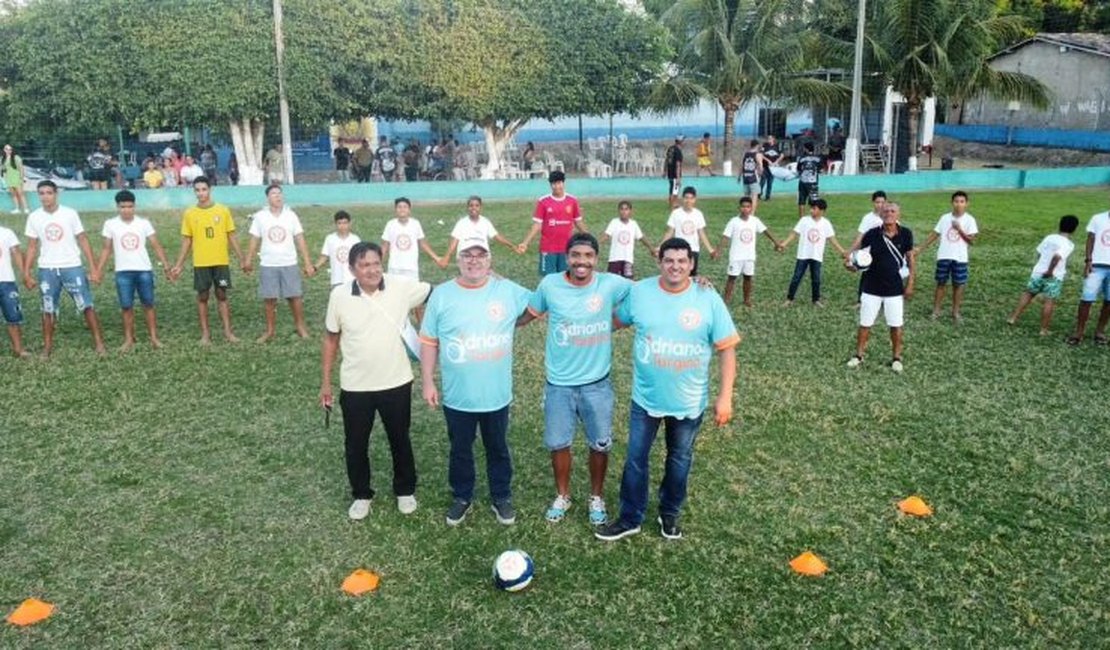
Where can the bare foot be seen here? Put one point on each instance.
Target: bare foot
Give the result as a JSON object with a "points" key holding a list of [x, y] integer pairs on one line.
{"points": [[748, 304], [1011, 321], [788, 303], [22, 354], [231, 338], [1044, 332], [935, 315], [265, 338], [957, 319], [156, 344], [101, 351], [302, 333], [205, 341], [127, 345]]}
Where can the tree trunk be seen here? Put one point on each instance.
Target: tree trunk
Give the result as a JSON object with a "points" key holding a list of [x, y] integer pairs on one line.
{"points": [[246, 138], [497, 136], [730, 107], [913, 107]]}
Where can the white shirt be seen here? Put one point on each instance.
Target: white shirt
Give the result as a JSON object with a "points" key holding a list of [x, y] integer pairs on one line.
{"points": [[952, 246], [404, 244], [742, 235], [624, 237], [277, 233], [8, 241], [190, 173], [812, 235], [129, 242], [57, 234], [686, 225], [336, 249], [466, 229], [869, 221], [1099, 226], [1050, 247]]}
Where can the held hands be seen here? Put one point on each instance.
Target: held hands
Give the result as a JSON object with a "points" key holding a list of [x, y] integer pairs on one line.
{"points": [[29, 281], [723, 410], [442, 262], [309, 270], [521, 248], [431, 395], [246, 266]]}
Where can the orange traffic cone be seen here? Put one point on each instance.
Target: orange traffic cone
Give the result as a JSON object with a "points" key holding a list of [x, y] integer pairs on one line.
{"points": [[915, 506], [360, 582], [30, 611], [809, 564]]}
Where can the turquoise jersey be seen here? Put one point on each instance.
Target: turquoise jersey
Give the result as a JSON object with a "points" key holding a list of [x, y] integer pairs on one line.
{"points": [[676, 335], [579, 347], [473, 329]]}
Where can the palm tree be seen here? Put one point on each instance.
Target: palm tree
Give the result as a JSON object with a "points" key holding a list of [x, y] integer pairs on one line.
{"points": [[931, 48], [736, 51]]}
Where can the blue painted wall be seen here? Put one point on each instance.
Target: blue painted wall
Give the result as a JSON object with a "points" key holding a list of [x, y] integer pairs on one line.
{"points": [[1027, 137]]}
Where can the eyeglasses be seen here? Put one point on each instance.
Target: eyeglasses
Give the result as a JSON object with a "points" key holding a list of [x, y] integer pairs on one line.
{"points": [[474, 256]]}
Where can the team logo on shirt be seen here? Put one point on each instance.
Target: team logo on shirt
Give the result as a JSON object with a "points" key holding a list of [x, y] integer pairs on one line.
{"points": [[582, 334], [568, 210], [689, 319], [404, 242], [953, 235], [341, 253], [53, 232], [813, 235], [624, 237], [129, 242], [276, 234], [496, 311], [481, 347], [747, 236], [1105, 237], [593, 304], [672, 355], [688, 227]]}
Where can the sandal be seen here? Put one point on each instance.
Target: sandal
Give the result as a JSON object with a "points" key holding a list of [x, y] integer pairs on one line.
{"points": [[1100, 340], [1072, 341]]}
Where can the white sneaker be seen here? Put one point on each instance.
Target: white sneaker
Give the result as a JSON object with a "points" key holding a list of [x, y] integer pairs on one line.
{"points": [[558, 508], [359, 509], [854, 362], [896, 365], [15, 211], [406, 504]]}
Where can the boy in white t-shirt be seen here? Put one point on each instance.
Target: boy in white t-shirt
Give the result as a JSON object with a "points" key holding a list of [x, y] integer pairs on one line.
{"points": [[335, 249], [688, 223], [740, 234], [474, 226], [957, 231], [624, 232], [1048, 274], [1096, 280], [812, 232], [400, 239], [9, 291], [125, 236]]}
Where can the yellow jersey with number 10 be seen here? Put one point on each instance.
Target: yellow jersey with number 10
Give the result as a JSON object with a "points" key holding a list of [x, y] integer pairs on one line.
{"points": [[209, 228]]}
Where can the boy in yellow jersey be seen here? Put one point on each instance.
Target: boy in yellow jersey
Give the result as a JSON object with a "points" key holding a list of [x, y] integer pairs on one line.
{"points": [[208, 229]]}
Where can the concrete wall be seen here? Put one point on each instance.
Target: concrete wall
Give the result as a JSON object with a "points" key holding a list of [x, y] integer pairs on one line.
{"points": [[1080, 82]]}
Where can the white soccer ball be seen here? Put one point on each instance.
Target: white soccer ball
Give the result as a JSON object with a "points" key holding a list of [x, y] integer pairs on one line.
{"points": [[861, 259], [513, 570]]}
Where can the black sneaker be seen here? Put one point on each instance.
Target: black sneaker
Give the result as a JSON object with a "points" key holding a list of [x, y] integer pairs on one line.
{"points": [[504, 512], [618, 529], [457, 512], [668, 527]]}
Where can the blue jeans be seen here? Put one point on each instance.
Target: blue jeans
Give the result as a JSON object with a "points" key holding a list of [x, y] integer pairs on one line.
{"points": [[563, 406], [129, 282], [800, 267], [766, 182], [680, 435], [461, 430]]}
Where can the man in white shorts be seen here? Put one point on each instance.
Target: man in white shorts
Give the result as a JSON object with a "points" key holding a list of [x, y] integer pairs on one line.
{"points": [[886, 282], [1096, 279]]}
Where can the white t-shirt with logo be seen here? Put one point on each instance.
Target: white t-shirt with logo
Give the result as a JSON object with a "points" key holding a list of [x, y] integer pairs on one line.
{"points": [[404, 244], [277, 233], [57, 234], [742, 234], [481, 229], [1050, 247], [812, 235], [686, 226], [624, 237], [952, 246], [8, 241], [1099, 226], [336, 249], [129, 242], [870, 221]]}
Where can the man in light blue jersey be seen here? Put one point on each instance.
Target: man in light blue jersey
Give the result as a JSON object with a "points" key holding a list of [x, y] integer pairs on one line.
{"points": [[678, 328], [468, 329], [578, 355]]}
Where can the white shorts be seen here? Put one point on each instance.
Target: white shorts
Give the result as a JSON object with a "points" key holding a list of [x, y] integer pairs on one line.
{"points": [[741, 267], [408, 273], [869, 310]]}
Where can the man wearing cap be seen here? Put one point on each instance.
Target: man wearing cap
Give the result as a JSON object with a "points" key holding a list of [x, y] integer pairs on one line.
{"points": [[555, 217], [886, 281], [363, 320], [672, 169], [468, 330], [578, 356]]}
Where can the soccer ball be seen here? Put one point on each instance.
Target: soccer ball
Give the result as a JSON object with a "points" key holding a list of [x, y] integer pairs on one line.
{"points": [[513, 570], [861, 259]]}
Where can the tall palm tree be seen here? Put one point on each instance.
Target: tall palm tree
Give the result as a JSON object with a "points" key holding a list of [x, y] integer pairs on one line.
{"points": [[931, 48], [736, 51]]}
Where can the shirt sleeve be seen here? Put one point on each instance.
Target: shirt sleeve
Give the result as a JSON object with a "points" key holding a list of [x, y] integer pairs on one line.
{"points": [[298, 229], [798, 227], [387, 232], [624, 308], [256, 226], [611, 228], [230, 221], [760, 227], [940, 226], [429, 325], [324, 247], [78, 227], [419, 230], [491, 230], [636, 232], [418, 293], [148, 228], [827, 228], [331, 318], [537, 214], [456, 232], [522, 296], [577, 211], [537, 304], [186, 225], [972, 227], [723, 331], [106, 231]]}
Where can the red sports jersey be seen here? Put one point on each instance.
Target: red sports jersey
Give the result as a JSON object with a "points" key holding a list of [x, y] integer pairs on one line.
{"points": [[556, 218]]}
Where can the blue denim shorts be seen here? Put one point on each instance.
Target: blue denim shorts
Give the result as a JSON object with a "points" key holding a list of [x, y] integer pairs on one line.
{"points": [[130, 282], [951, 269], [73, 280], [564, 406], [552, 263], [1097, 283], [9, 303]]}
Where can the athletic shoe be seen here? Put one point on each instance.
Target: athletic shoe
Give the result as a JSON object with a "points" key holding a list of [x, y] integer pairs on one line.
{"points": [[15, 211], [406, 504], [457, 512], [619, 529], [558, 508], [597, 511], [855, 361], [896, 365], [504, 512], [359, 509], [668, 526]]}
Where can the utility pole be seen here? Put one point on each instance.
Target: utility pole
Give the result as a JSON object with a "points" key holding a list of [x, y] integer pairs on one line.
{"points": [[851, 147], [283, 102]]}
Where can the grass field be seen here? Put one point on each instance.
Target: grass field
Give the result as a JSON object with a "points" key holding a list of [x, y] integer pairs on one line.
{"points": [[191, 497]]}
